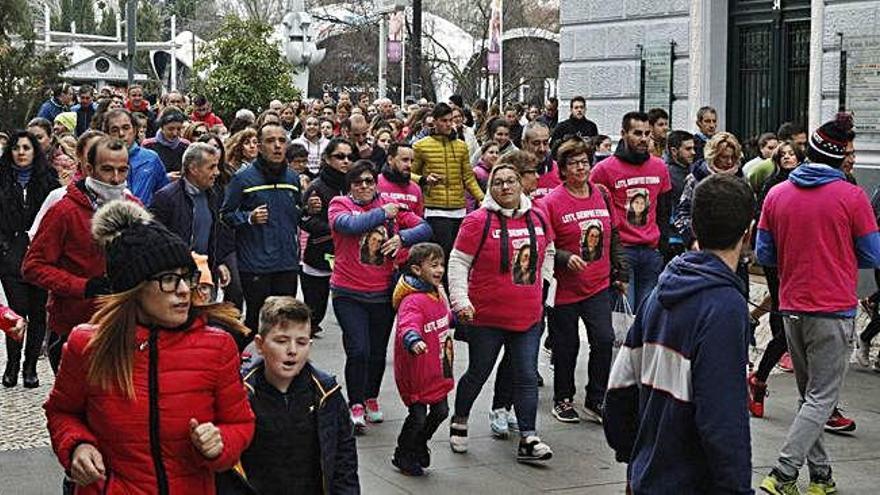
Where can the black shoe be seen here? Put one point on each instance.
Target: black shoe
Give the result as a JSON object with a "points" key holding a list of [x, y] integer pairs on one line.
{"points": [[594, 411], [407, 463], [29, 376], [564, 411], [10, 376], [423, 456]]}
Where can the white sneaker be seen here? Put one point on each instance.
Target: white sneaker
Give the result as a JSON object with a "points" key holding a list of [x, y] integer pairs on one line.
{"points": [[532, 449], [499, 423], [512, 422], [863, 355], [458, 439]]}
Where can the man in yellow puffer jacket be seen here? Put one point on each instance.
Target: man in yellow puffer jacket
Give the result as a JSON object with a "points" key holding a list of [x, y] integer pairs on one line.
{"points": [[443, 170]]}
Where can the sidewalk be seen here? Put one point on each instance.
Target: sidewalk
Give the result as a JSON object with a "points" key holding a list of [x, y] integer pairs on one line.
{"points": [[582, 462]]}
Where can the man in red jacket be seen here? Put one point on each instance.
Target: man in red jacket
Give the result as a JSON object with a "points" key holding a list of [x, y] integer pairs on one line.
{"points": [[62, 257]]}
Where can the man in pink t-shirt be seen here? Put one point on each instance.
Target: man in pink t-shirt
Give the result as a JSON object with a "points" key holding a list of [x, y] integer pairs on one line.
{"points": [[640, 194], [536, 140]]}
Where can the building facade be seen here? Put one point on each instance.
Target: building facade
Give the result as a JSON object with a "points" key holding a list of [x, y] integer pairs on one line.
{"points": [[759, 62]]}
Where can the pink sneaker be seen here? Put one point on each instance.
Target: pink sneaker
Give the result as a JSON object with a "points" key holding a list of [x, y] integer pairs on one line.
{"points": [[374, 414], [357, 418], [785, 363]]}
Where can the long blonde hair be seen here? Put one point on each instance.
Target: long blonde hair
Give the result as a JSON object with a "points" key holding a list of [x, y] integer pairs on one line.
{"points": [[113, 344]]}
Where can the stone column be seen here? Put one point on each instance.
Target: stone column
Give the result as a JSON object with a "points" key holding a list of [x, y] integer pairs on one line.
{"points": [[708, 58], [817, 32]]}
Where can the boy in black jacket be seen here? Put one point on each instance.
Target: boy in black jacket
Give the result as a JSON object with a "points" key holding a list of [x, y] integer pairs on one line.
{"points": [[304, 440]]}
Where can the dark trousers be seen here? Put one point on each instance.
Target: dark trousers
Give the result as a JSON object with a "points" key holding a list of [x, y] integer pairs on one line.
{"points": [[316, 293], [444, 231], [366, 328], [258, 287], [777, 345], [595, 312], [420, 425], [29, 301], [872, 329], [54, 348], [484, 344], [232, 293], [502, 397]]}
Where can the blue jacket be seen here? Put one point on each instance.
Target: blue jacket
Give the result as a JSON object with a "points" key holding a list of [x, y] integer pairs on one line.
{"points": [[83, 117], [146, 174], [50, 109], [676, 406], [274, 246]]}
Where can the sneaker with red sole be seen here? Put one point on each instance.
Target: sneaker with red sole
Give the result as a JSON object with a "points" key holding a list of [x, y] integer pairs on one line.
{"points": [[839, 423], [785, 363], [757, 393], [374, 414]]}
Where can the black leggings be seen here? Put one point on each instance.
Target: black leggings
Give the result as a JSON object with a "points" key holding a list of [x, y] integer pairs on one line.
{"points": [[257, 288], [29, 301], [777, 345], [420, 425], [316, 293]]}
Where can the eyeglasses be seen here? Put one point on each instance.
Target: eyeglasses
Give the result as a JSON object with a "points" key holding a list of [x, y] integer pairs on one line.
{"points": [[342, 156], [169, 282], [366, 181], [585, 162], [500, 184]]}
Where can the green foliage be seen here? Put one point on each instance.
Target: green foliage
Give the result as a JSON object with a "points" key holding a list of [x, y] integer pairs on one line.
{"points": [[15, 18], [25, 72], [243, 68], [107, 27], [79, 11]]}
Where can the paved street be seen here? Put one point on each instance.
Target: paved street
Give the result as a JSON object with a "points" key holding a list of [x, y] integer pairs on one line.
{"points": [[582, 463]]}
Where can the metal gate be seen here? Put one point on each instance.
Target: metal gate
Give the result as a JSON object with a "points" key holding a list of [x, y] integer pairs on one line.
{"points": [[769, 63]]}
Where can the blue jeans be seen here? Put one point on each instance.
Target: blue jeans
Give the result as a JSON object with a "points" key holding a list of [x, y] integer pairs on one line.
{"points": [[366, 328], [596, 313], [645, 265], [484, 344]]}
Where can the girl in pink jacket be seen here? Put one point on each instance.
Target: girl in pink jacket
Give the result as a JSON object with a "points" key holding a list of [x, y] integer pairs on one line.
{"points": [[423, 355]]}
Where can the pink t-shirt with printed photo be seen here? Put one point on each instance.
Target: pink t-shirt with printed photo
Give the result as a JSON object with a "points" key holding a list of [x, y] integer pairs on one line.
{"points": [[512, 300], [582, 226], [635, 190], [409, 194]]}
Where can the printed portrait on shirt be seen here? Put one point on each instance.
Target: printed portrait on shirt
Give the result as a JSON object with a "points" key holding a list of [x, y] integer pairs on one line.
{"points": [[522, 273], [448, 354], [371, 246], [637, 204], [591, 240]]}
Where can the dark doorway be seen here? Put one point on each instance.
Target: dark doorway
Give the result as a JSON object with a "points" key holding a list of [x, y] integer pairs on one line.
{"points": [[769, 64]]}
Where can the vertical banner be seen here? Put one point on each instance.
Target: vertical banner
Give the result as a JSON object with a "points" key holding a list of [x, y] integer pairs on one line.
{"points": [[395, 36], [493, 57]]}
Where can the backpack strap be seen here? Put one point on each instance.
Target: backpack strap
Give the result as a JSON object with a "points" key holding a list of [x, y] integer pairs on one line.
{"points": [[483, 237]]}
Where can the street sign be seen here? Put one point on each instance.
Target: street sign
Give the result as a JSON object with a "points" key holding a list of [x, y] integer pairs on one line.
{"points": [[862, 84]]}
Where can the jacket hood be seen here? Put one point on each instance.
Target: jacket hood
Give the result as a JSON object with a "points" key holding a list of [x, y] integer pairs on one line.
{"points": [[407, 285], [815, 175], [525, 203], [692, 273]]}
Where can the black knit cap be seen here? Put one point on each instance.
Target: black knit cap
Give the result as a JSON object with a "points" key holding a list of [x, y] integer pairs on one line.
{"points": [[828, 143], [137, 246]]}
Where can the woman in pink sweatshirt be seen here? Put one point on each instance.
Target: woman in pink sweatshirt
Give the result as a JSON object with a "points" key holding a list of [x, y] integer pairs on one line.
{"points": [[367, 232]]}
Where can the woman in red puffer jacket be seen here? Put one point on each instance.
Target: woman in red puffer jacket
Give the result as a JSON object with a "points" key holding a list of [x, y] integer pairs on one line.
{"points": [[148, 399]]}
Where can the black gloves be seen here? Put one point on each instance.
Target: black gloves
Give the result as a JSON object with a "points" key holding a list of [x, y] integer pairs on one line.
{"points": [[98, 286]]}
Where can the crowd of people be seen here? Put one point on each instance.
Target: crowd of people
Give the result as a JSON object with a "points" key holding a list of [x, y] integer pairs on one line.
{"points": [[162, 251]]}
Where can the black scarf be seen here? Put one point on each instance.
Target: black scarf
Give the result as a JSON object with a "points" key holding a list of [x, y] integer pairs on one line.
{"points": [[624, 153], [333, 178], [272, 172]]}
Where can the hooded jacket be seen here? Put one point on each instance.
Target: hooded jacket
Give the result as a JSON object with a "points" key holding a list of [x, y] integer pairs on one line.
{"points": [[181, 373], [147, 174], [485, 269], [266, 462], [63, 257], [449, 158], [819, 230], [675, 409], [422, 316]]}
